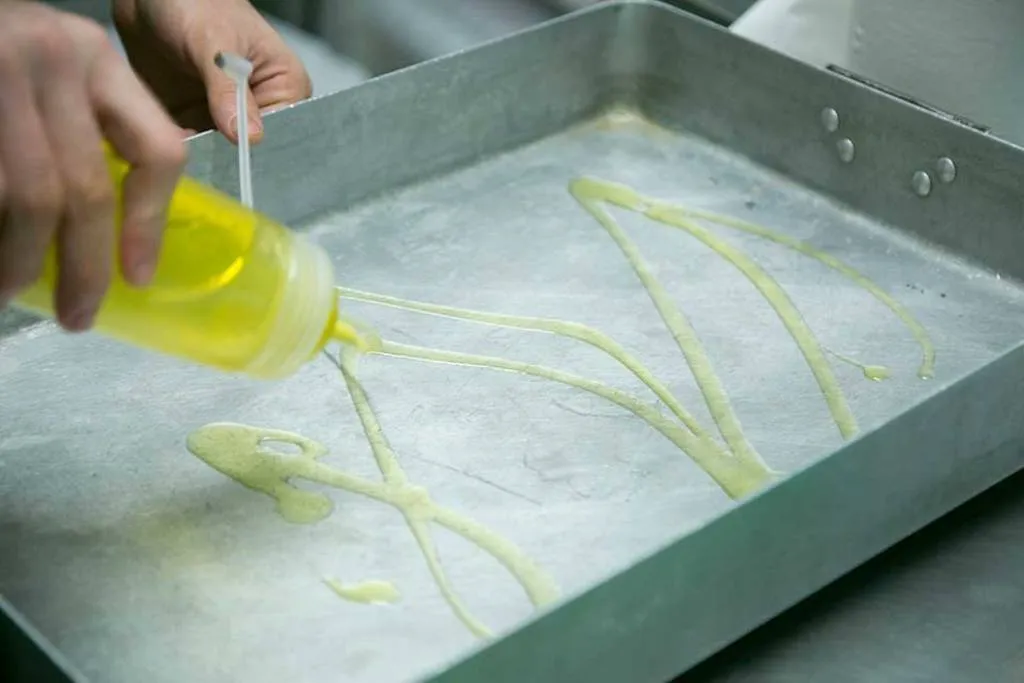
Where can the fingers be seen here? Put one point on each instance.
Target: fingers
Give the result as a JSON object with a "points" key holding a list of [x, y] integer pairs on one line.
{"points": [[221, 97], [278, 79], [284, 81], [196, 117], [32, 189], [85, 236], [62, 88], [145, 136]]}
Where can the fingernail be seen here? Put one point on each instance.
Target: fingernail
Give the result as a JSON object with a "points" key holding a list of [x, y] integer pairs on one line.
{"points": [[255, 128], [139, 266], [80, 319], [137, 261], [141, 272]]}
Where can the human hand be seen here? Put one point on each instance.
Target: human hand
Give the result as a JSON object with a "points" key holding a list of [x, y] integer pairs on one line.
{"points": [[172, 45], [63, 90]]}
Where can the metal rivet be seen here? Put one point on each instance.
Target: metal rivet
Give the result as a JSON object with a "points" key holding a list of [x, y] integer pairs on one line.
{"points": [[830, 119], [846, 150], [946, 169], [922, 183]]}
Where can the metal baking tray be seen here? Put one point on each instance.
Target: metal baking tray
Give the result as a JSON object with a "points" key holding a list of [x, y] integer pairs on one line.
{"points": [[803, 216]]}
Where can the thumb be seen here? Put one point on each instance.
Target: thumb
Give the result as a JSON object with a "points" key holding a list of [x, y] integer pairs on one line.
{"points": [[221, 97]]}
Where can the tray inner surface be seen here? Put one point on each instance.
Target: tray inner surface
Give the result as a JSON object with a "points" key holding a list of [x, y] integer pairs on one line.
{"points": [[133, 556]]}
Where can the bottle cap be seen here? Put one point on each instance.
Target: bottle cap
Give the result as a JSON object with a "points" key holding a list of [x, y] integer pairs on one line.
{"points": [[307, 306]]}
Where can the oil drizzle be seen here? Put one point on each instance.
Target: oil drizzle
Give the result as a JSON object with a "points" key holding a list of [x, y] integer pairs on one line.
{"points": [[419, 510], [373, 592], [875, 373], [244, 453], [736, 477], [784, 308], [362, 338], [926, 370], [241, 452], [592, 194], [571, 330]]}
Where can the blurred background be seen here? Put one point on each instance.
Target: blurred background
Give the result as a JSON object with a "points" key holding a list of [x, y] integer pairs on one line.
{"points": [[344, 42]]}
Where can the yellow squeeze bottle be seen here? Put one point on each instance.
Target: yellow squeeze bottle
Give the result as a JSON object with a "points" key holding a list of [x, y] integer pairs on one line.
{"points": [[232, 289]]}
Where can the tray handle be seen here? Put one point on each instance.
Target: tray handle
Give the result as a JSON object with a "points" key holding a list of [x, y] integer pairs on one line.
{"points": [[909, 99]]}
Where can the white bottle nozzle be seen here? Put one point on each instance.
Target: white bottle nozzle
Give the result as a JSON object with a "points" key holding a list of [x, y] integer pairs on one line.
{"points": [[239, 69]]}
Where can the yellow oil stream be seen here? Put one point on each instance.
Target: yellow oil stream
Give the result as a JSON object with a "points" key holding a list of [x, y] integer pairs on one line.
{"points": [[736, 477], [927, 368], [238, 451], [875, 373], [373, 592], [592, 195], [563, 328]]}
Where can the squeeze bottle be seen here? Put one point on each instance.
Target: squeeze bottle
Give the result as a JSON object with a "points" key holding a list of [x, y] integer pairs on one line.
{"points": [[232, 289]]}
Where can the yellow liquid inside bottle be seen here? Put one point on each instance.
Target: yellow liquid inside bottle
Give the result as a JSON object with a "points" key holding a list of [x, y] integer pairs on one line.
{"points": [[232, 289]]}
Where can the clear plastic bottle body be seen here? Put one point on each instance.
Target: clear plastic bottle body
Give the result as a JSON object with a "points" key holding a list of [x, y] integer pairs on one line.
{"points": [[232, 289]]}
